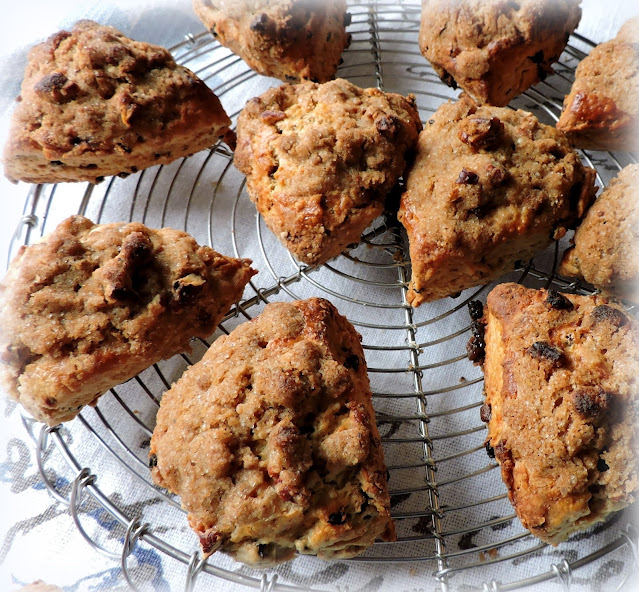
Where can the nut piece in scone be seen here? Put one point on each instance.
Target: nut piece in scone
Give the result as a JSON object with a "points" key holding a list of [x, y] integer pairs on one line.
{"points": [[495, 49], [95, 103], [602, 110], [286, 39], [605, 244], [561, 405], [489, 186], [90, 306], [320, 160], [270, 440]]}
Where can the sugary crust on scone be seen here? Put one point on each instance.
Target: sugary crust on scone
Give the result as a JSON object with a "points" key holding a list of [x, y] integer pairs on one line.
{"points": [[89, 306], [606, 242], [561, 377], [602, 110], [286, 39], [495, 49], [321, 159], [95, 103], [489, 186], [271, 443]]}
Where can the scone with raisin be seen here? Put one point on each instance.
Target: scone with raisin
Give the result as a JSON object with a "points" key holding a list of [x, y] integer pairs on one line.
{"points": [[561, 405], [90, 306], [604, 252], [270, 440], [286, 39], [495, 49], [95, 103], [489, 186], [320, 160], [602, 110]]}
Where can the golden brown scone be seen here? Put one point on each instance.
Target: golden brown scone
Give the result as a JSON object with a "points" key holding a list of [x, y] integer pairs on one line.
{"points": [[606, 242], [561, 405], [286, 39], [90, 306], [495, 49], [489, 186], [602, 110], [96, 103], [40, 586], [321, 159], [271, 443]]}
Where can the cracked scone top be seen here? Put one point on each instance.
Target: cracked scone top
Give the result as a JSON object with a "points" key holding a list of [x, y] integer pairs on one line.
{"points": [[270, 440], [95, 103], [489, 186], [90, 306], [561, 375], [602, 110], [320, 160], [495, 49], [286, 39]]}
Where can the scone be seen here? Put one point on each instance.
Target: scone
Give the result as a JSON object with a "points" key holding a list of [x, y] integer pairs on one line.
{"points": [[606, 242], [286, 39], [495, 49], [270, 440], [489, 186], [96, 103], [602, 110], [320, 160], [562, 406], [90, 306]]}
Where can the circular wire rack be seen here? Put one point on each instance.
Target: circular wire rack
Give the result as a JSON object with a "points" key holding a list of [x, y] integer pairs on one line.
{"points": [[449, 504]]}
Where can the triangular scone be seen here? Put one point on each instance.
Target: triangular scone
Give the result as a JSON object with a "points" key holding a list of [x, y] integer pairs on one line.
{"points": [[560, 377], [602, 110], [270, 440], [95, 103], [489, 186], [605, 244], [320, 160], [286, 39], [495, 49], [90, 306]]}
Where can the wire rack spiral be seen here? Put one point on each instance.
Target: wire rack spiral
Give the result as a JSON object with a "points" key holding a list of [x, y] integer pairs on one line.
{"points": [[448, 502]]}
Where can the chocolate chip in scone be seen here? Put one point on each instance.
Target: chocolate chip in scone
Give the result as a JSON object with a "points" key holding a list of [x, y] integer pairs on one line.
{"points": [[609, 314], [348, 17], [544, 351], [477, 328], [260, 23], [476, 349], [602, 465], [485, 412], [153, 461], [261, 550], [490, 451], [558, 301], [591, 401], [467, 177], [337, 518], [476, 309], [538, 58], [352, 362]]}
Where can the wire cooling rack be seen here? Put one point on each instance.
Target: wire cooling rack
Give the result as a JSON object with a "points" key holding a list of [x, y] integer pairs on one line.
{"points": [[456, 529]]}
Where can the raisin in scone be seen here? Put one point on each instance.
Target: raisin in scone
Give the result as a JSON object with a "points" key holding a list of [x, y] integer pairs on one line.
{"points": [[270, 440], [561, 404], [602, 110], [495, 49], [606, 242], [90, 306], [320, 160], [95, 103], [489, 186], [286, 39]]}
